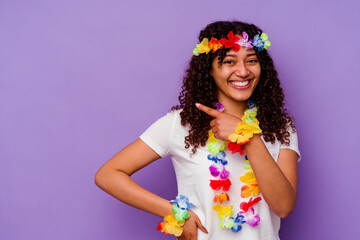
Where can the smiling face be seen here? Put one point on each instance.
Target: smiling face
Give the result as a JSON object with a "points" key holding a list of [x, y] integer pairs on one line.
{"points": [[237, 75]]}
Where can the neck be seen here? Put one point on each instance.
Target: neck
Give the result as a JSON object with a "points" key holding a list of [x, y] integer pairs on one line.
{"points": [[233, 107]]}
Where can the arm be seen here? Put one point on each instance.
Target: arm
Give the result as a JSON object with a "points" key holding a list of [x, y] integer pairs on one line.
{"points": [[277, 180], [114, 178]]}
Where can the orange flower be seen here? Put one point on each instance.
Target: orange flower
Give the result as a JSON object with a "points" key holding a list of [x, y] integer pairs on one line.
{"points": [[221, 197], [214, 44], [247, 191]]}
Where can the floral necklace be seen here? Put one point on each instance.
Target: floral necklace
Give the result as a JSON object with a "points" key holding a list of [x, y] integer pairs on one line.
{"points": [[218, 171]]}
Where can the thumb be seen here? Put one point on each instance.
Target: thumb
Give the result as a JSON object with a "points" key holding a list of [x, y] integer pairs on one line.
{"points": [[200, 226]]}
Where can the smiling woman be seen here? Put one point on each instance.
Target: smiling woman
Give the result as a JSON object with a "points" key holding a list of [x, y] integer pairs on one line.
{"points": [[231, 179], [239, 71]]}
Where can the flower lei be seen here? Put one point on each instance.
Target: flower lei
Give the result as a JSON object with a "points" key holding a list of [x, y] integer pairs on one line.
{"points": [[233, 42], [173, 223], [245, 130]]}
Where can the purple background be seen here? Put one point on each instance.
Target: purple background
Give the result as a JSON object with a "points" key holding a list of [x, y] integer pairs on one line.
{"points": [[80, 79]]}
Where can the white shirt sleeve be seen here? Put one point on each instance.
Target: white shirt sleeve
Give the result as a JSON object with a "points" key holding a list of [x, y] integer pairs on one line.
{"points": [[293, 144], [157, 136]]}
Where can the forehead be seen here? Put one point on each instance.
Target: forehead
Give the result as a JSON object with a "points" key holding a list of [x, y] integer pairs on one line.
{"points": [[241, 53]]}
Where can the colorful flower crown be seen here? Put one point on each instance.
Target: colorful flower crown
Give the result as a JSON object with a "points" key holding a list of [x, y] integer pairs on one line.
{"points": [[233, 42]]}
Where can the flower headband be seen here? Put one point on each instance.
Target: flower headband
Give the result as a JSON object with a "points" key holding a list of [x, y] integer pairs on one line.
{"points": [[233, 42]]}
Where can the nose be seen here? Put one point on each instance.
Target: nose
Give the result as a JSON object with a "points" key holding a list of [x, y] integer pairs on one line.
{"points": [[241, 70]]}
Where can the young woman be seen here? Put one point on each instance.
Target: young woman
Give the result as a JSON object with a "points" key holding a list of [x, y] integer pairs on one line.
{"points": [[233, 146]]}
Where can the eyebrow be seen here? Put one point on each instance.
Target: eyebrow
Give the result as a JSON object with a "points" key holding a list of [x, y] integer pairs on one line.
{"points": [[233, 55]]}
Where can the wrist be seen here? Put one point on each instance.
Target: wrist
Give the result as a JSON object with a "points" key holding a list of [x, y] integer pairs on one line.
{"points": [[173, 223]]}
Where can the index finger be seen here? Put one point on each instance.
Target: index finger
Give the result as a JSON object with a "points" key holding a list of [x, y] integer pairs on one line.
{"points": [[207, 110]]}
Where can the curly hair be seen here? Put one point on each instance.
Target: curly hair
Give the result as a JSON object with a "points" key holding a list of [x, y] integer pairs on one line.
{"points": [[199, 86]]}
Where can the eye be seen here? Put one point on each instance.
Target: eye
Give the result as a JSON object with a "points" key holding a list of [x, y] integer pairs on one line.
{"points": [[253, 61], [228, 61]]}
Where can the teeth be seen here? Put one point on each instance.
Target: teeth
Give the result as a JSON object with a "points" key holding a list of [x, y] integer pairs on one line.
{"points": [[240, 84]]}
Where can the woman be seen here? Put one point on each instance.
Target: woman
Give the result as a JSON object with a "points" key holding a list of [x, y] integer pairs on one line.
{"points": [[231, 80]]}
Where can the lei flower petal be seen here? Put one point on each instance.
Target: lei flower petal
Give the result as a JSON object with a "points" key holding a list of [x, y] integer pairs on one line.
{"points": [[182, 202], [219, 106], [217, 184], [238, 221], [246, 205], [220, 157], [211, 136], [214, 44], [196, 50], [180, 214], [223, 210], [248, 129], [234, 147], [231, 42], [247, 191], [267, 43], [226, 221], [221, 197], [248, 178], [216, 146], [172, 226], [161, 227], [261, 42], [214, 170], [203, 47], [244, 41], [254, 220], [239, 139], [224, 174]]}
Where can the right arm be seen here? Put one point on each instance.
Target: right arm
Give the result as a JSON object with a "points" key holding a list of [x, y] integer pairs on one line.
{"points": [[114, 178]]}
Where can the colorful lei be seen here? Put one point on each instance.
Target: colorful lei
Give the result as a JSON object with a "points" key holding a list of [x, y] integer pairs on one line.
{"points": [[234, 42], [247, 127], [173, 223]]}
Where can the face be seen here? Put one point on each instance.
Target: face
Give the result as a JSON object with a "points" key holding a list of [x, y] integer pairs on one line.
{"points": [[237, 75]]}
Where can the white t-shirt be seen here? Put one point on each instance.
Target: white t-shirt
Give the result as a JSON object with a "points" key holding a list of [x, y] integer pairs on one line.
{"points": [[166, 137]]}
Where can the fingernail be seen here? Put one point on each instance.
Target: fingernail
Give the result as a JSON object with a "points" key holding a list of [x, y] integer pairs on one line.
{"points": [[197, 105]]}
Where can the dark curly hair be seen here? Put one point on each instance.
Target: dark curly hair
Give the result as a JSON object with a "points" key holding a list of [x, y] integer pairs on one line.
{"points": [[199, 86]]}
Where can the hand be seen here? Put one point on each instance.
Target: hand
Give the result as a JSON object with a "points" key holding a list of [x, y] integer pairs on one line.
{"points": [[190, 227], [223, 124]]}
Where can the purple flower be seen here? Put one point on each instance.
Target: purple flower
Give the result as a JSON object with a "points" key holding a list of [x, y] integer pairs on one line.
{"points": [[254, 220], [216, 171], [244, 41]]}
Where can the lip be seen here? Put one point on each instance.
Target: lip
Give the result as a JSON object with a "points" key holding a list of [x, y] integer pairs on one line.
{"points": [[240, 87]]}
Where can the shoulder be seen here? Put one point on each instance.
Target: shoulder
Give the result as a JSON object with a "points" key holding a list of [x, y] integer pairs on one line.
{"points": [[275, 147]]}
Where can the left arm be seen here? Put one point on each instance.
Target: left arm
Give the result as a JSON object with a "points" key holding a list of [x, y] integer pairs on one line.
{"points": [[277, 180]]}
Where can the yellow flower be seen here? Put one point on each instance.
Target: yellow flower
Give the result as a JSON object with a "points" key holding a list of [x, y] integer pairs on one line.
{"points": [[247, 191], [203, 47], [247, 130], [172, 225], [223, 210], [211, 136], [238, 138], [248, 178]]}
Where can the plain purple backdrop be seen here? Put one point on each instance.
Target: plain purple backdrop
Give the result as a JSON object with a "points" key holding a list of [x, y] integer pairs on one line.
{"points": [[80, 79]]}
